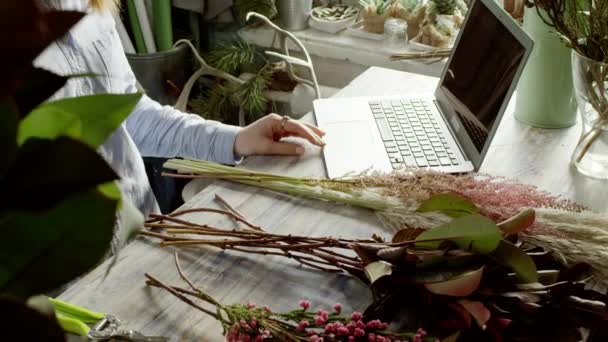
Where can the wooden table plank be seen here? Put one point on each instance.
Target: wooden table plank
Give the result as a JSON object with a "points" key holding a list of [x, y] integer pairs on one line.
{"points": [[533, 156]]}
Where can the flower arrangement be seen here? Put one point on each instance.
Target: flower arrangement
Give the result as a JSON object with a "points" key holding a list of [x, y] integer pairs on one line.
{"points": [[471, 278], [583, 25], [572, 233], [251, 323]]}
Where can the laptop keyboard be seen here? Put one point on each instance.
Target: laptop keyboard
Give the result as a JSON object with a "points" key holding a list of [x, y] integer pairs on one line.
{"points": [[411, 134]]}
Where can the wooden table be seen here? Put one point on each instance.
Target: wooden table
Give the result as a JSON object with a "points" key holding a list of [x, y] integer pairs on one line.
{"points": [[531, 155]]}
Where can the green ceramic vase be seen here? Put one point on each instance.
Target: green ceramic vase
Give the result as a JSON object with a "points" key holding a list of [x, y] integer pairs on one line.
{"points": [[545, 94]]}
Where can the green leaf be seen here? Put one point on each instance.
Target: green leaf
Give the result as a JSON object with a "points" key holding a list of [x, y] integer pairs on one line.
{"points": [[459, 286], [509, 255], [8, 136], [46, 171], [449, 204], [519, 222], [377, 270], [90, 119], [474, 233], [44, 250]]}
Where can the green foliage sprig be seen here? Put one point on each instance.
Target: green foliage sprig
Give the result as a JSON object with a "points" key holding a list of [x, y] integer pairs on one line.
{"points": [[230, 56]]}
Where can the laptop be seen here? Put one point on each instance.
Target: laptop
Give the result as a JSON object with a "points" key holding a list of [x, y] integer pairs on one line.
{"points": [[448, 132]]}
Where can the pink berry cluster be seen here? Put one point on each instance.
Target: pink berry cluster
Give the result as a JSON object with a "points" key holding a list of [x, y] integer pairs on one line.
{"points": [[351, 329], [249, 330], [244, 331]]}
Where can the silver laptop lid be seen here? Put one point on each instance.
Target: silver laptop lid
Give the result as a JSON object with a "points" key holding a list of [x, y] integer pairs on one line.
{"points": [[477, 83]]}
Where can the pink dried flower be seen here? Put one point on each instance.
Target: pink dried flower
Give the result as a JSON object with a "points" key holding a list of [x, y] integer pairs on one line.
{"points": [[304, 304], [351, 339], [374, 324], [421, 332], [359, 332], [254, 322], [356, 316], [250, 305], [330, 328], [320, 320], [342, 331], [315, 338], [303, 325], [337, 308], [323, 313], [266, 308]]}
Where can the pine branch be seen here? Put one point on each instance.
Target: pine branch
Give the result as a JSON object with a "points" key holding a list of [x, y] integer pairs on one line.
{"points": [[250, 96], [230, 56]]}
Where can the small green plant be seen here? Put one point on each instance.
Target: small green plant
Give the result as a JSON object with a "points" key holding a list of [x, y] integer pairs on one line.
{"points": [[380, 6]]}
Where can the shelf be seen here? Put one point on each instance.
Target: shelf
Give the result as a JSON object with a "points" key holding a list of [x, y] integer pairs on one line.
{"points": [[344, 47]]}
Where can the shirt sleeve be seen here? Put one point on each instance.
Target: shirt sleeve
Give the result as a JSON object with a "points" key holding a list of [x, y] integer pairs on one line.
{"points": [[162, 131]]}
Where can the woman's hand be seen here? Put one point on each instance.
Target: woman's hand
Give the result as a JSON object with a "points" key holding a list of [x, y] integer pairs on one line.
{"points": [[264, 136]]}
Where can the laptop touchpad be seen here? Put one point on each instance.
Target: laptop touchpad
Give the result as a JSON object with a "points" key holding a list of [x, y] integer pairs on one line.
{"points": [[349, 147]]}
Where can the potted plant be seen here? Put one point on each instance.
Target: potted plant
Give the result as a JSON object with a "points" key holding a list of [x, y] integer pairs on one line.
{"points": [[583, 26]]}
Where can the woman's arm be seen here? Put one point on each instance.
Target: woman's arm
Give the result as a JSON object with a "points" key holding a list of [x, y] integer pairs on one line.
{"points": [[161, 131]]}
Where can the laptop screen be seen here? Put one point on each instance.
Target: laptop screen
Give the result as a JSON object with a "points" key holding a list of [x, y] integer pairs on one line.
{"points": [[481, 71]]}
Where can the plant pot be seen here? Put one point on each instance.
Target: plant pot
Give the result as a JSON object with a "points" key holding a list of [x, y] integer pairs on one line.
{"points": [[373, 22], [293, 14], [590, 156], [545, 95], [163, 74]]}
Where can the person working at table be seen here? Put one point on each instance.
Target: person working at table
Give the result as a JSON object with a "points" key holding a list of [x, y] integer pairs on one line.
{"points": [[93, 45]]}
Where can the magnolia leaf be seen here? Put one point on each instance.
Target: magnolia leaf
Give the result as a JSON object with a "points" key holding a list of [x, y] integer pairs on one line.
{"points": [[377, 270], [460, 286], [519, 222], [45, 249], [90, 119], [392, 253], [509, 255], [46, 171], [477, 310], [407, 234], [20, 322], [475, 233], [8, 136], [367, 253], [452, 338], [449, 204]]}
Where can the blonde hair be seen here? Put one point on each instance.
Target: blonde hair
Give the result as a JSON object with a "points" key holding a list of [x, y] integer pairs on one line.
{"points": [[105, 5]]}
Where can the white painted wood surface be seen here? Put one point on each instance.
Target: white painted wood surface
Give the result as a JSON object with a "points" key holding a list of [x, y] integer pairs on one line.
{"points": [[534, 156]]}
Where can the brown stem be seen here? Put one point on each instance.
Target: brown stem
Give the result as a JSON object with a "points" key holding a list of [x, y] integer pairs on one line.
{"points": [[597, 130], [222, 201], [155, 282], [160, 236], [219, 211]]}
